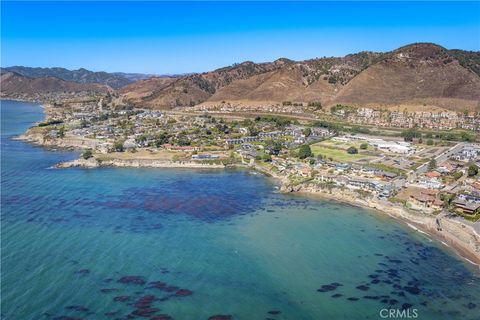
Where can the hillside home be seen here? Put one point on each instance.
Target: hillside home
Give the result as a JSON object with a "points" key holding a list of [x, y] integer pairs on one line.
{"points": [[465, 206]]}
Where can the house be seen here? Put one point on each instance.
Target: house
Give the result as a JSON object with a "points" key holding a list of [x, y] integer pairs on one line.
{"points": [[385, 174], [305, 171], [171, 147], [465, 206], [433, 174], [205, 157], [476, 185], [251, 153], [430, 183], [247, 146], [234, 141], [250, 139], [472, 196], [381, 188], [129, 144], [272, 134], [368, 171], [421, 198], [341, 167], [467, 153], [426, 199], [241, 140], [446, 167], [321, 132], [326, 178]]}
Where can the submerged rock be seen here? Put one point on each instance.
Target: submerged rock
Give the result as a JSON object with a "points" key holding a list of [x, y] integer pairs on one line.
{"points": [[327, 287], [406, 306], [183, 293], [395, 261], [220, 317], [82, 271], [157, 284], [145, 312], [471, 305], [412, 290], [337, 295], [363, 287], [132, 280], [121, 298], [161, 317], [77, 308], [144, 302], [274, 312]]}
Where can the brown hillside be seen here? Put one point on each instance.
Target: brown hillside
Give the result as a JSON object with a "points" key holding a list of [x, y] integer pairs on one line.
{"points": [[412, 74], [420, 74], [192, 89], [139, 90], [14, 84], [281, 80], [285, 84]]}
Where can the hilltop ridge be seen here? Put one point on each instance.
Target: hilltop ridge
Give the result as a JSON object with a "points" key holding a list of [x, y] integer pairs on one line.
{"points": [[419, 74]]}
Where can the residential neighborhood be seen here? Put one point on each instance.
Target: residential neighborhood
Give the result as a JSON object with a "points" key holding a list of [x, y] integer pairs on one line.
{"points": [[420, 171]]}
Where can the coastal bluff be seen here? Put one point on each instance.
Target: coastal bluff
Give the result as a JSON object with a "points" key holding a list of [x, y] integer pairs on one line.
{"points": [[137, 163], [459, 235]]}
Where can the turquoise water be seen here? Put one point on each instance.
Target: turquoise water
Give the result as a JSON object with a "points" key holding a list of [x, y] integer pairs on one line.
{"points": [[121, 243]]}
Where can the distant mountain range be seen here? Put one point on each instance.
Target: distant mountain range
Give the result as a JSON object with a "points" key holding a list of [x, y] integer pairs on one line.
{"points": [[14, 85], [114, 80], [421, 73]]}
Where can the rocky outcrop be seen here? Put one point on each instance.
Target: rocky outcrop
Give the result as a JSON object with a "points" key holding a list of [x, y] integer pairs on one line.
{"points": [[68, 142], [138, 163]]}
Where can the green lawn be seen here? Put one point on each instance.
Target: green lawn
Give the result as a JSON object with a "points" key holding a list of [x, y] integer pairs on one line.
{"points": [[473, 218], [337, 154]]}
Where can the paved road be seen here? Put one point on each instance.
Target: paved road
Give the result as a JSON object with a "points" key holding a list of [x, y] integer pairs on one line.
{"points": [[439, 159]]}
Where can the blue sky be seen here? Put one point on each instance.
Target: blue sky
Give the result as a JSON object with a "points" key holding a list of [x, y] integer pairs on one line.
{"points": [[179, 37]]}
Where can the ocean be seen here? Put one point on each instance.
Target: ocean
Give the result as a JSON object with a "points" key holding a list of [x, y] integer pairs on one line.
{"points": [[125, 243]]}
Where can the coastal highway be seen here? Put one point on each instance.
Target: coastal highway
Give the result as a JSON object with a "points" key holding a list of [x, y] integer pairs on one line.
{"points": [[249, 114]]}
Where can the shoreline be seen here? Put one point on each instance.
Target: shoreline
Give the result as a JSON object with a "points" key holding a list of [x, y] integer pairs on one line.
{"points": [[136, 163], [23, 100], [423, 224], [460, 238]]}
